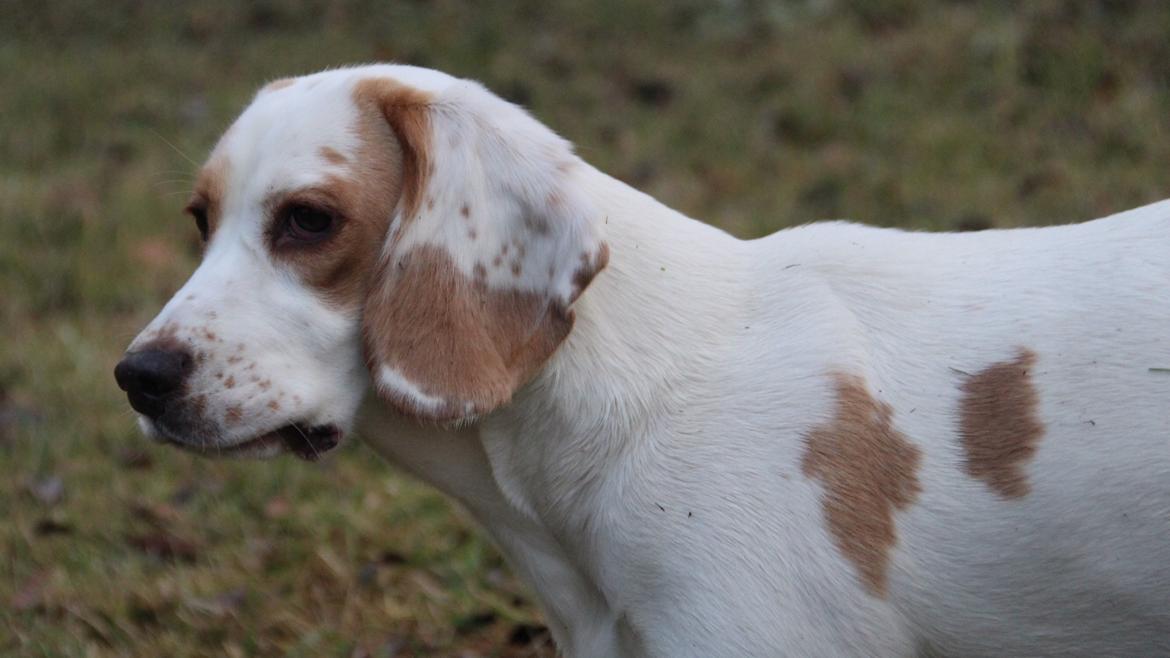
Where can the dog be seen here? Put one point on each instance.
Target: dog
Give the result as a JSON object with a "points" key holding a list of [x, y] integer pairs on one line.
{"points": [[836, 440]]}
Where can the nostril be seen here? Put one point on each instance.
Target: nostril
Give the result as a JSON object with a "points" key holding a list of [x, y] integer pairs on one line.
{"points": [[152, 374]]}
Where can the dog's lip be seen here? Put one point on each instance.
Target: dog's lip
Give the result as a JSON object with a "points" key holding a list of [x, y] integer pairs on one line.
{"points": [[308, 442]]}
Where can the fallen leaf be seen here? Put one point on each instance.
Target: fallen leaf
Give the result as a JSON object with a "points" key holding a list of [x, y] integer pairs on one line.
{"points": [[165, 546]]}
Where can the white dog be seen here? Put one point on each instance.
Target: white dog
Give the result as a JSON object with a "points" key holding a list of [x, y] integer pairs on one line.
{"points": [[833, 441]]}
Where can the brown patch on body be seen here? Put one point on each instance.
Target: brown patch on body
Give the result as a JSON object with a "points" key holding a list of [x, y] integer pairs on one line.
{"points": [[998, 424], [233, 415], [456, 338], [332, 155], [230, 382], [465, 211], [868, 470]]}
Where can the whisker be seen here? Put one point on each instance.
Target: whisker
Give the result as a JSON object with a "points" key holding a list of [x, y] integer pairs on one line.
{"points": [[176, 148]]}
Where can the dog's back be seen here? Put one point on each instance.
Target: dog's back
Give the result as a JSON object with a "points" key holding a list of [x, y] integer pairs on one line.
{"points": [[1021, 382]]}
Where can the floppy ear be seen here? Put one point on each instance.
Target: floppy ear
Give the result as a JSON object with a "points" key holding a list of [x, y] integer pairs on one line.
{"points": [[491, 243]]}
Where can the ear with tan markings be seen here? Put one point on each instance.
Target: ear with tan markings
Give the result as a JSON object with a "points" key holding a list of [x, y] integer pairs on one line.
{"points": [[491, 243]]}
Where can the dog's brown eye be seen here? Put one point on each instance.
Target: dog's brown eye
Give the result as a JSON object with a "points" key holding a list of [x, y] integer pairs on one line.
{"points": [[307, 223], [199, 213]]}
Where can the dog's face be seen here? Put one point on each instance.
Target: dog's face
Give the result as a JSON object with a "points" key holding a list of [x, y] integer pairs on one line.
{"points": [[364, 222]]}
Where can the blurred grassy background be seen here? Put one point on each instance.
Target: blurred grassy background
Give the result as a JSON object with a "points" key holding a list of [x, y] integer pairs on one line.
{"points": [[750, 115]]}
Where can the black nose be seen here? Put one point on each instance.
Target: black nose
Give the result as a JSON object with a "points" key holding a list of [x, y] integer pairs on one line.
{"points": [[151, 375]]}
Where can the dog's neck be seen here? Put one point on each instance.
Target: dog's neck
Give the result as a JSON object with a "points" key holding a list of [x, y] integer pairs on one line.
{"points": [[636, 350], [533, 473]]}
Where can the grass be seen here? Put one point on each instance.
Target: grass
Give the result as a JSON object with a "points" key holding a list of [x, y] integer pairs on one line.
{"points": [[751, 115]]}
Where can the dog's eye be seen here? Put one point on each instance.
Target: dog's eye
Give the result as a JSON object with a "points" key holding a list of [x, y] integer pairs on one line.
{"points": [[307, 224], [198, 211]]}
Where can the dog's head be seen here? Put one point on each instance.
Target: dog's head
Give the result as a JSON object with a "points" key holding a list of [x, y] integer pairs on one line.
{"points": [[380, 226]]}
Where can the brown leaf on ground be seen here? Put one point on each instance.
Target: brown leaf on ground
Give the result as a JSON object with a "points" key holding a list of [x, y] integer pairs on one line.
{"points": [[165, 546]]}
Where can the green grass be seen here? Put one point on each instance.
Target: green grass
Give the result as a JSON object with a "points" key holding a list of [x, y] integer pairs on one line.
{"points": [[753, 116]]}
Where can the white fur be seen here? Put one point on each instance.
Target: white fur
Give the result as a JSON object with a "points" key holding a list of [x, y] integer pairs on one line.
{"points": [[647, 483]]}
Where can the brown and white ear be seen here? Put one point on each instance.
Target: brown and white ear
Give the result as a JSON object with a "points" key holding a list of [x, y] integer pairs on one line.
{"points": [[491, 243]]}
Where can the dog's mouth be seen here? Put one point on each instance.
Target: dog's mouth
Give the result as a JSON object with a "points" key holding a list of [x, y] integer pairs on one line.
{"points": [[308, 442]]}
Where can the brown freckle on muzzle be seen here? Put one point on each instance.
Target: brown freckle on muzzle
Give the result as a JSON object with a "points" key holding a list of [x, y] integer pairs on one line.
{"points": [[868, 470], [998, 424]]}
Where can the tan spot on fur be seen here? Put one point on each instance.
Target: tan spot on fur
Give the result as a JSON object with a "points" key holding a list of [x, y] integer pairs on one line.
{"points": [[430, 203], [383, 172], [998, 426], [230, 382], [455, 337], [516, 268], [274, 405], [279, 84], [234, 359], [210, 188], [407, 111], [265, 385], [233, 415], [332, 155], [465, 211], [209, 334], [497, 261], [472, 234], [868, 470], [480, 272], [589, 268]]}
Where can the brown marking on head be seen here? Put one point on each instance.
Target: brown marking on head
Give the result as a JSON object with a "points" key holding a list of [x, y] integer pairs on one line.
{"points": [[278, 84], [455, 337], [998, 424], [383, 172], [405, 111], [332, 155], [210, 189], [868, 470]]}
